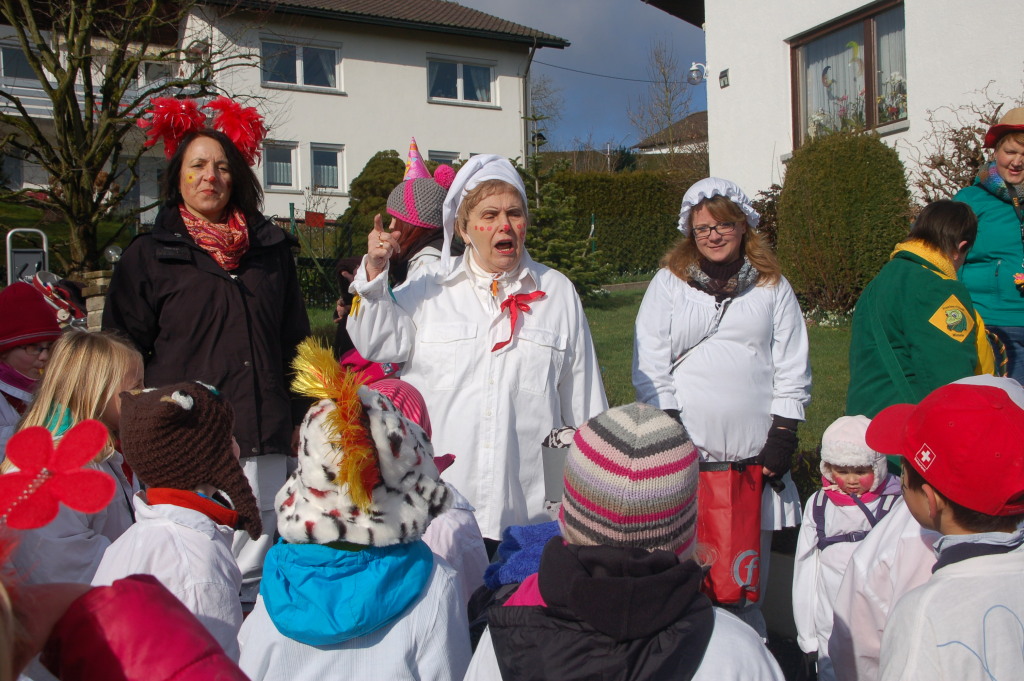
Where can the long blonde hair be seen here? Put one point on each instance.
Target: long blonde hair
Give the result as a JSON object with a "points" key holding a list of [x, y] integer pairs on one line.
{"points": [[684, 252], [86, 370]]}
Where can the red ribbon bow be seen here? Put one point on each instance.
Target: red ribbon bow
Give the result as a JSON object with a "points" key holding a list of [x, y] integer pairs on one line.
{"points": [[516, 303], [30, 496]]}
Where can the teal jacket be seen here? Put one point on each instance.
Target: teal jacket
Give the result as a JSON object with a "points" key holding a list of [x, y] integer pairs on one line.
{"points": [[928, 319], [996, 256]]}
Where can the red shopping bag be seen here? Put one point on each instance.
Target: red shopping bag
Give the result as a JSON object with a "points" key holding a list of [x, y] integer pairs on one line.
{"points": [[729, 527]]}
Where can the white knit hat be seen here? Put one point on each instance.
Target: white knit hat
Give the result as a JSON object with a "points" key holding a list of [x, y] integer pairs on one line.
{"points": [[479, 168], [843, 444], [715, 186]]}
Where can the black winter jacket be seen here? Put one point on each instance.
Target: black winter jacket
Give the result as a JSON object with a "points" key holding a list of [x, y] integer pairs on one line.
{"points": [[611, 614], [237, 330]]}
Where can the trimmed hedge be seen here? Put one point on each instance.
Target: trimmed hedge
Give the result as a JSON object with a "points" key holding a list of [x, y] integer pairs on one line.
{"points": [[635, 215], [844, 205]]}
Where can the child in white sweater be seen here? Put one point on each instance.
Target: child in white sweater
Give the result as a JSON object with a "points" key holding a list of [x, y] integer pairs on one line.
{"points": [[857, 491]]}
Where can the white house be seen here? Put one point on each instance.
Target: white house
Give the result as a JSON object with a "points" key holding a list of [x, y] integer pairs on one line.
{"points": [[797, 67], [340, 80]]}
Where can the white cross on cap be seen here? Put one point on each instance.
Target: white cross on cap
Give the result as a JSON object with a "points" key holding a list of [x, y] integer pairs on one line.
{"points": [[924, 457]]}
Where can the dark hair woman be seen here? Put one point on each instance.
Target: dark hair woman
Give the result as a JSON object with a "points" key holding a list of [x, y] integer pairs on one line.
{"points": [[915, 328], [211, 294]]}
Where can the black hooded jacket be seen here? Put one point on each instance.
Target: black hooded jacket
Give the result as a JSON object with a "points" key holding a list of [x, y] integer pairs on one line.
{"points": [[611, 614], [235, 330]]}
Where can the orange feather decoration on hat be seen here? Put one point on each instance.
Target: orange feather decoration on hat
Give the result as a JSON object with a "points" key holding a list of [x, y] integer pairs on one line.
{"points": [[318, 375]]}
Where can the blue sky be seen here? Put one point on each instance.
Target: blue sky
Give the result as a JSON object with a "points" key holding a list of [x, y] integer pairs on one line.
{"points": [[609, 37]]}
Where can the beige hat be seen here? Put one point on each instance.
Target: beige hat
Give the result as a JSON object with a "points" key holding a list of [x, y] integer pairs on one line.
{"points": [[1012, 121]]}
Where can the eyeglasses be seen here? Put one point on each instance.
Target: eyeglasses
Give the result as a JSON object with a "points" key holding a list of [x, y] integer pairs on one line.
{"points": [[36, 349], [722, 228]]}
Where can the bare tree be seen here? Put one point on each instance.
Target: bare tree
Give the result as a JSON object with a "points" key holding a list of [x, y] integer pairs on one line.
{"points": [[660, 115], [96, 64]]}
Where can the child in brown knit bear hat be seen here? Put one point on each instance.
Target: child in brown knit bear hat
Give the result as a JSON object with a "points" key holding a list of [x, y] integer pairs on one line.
{"points": [[178, 441]]}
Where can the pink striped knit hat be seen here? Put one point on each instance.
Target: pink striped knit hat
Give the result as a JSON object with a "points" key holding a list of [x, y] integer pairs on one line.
{"points": [[631, 481]]}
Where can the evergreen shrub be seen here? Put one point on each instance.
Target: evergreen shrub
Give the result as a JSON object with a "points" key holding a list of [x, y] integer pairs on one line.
{"points": [[844, 205]]}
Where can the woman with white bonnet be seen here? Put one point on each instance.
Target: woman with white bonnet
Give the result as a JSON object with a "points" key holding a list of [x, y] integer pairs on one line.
{"points": [[721, 344], [497, 344]]}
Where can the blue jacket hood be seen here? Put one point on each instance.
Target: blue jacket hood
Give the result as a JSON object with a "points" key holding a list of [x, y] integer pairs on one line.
{"points": [[319, 595]]}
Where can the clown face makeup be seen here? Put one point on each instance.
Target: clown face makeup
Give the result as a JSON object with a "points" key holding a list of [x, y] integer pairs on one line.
{"points": [[853, 480]]}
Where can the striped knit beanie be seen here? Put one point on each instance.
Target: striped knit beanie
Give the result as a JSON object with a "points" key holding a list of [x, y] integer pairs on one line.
{"points": [[631, 481]]}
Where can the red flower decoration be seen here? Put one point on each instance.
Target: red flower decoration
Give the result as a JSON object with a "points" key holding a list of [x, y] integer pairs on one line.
{"points": [[171, 119], [243, 126], [30, 497]]}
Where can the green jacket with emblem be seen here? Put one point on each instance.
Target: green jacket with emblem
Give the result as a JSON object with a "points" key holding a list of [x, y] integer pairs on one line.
{"points": [[916, 306]]}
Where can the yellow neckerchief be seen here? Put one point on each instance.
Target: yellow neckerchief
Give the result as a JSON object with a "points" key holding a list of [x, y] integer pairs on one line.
{"points": [[922, 249], [934, 256]]}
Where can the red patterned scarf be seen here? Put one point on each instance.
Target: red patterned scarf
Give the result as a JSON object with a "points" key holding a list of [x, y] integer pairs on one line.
{"points": [[226, 243]]}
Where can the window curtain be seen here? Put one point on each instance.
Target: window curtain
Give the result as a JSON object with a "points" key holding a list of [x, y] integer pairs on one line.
{"points": [[279, 63], [319, 67], [892, 66], [442, 77], [833, 81], [476, 82], [325, 169], [279, 166]]}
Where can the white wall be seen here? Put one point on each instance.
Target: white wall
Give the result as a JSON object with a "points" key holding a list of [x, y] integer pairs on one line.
{"points": [[384, 79], [953, 50]]}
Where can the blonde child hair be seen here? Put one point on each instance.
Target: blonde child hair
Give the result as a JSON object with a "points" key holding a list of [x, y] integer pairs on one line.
{"points": [[87, 370]]}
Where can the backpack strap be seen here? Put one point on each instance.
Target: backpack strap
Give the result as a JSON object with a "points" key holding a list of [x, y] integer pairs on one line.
{"points": [[818, 512]]}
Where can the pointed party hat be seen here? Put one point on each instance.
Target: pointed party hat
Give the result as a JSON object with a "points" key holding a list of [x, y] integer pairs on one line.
{"points": [[414, 167]]}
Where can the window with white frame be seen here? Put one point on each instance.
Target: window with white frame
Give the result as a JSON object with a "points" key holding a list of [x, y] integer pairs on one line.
{"points": [[14, 63], [851, 74], [446, 157], [327, 166], [279, 164], [460, 82], [302, 65], [156, 71]]}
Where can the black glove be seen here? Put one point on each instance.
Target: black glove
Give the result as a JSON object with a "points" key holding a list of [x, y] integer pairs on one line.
{"points": [[674, 413], [808, 670], [778, 450]]}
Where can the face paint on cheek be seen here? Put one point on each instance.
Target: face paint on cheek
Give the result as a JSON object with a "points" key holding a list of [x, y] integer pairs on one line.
{"points": [[190, 178], [866, 481]]}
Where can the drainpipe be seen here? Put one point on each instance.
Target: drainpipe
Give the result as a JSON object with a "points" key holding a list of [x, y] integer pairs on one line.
{"points": [[526, 101]]}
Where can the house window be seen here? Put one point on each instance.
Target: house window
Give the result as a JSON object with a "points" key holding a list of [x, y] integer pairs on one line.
{"points": [[326, 167], [449, 80], [304, 65], [156, 71], [15, 63], [446, 157], [851, 74], [279, 165]]}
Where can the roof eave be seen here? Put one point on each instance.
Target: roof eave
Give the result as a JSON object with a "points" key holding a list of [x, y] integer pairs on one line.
{"points": [[318, 13]]}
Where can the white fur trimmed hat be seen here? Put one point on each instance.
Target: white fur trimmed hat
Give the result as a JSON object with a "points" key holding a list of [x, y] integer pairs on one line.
{"points": [[715, 186], [843, 444], [366, 473]]}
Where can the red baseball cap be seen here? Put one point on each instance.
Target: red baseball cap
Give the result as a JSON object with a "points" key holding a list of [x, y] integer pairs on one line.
{"points": [[966, 440]]}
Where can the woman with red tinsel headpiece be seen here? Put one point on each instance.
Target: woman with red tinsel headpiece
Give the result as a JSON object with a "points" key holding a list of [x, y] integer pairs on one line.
{"points": [[211, 293]]}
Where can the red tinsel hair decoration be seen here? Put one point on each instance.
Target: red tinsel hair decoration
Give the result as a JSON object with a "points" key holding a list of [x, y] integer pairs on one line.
{"points": [[46, 477], [243, 126], [171, 119]]}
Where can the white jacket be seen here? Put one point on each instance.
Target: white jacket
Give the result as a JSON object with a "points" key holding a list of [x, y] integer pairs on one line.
{"points": [[894, 558], [734, 653], [966, 622], [491, 409], [191, 555], [9, 416], [756, 364], [455, 536], [429, 642], [817, 574], [69, 548]]}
